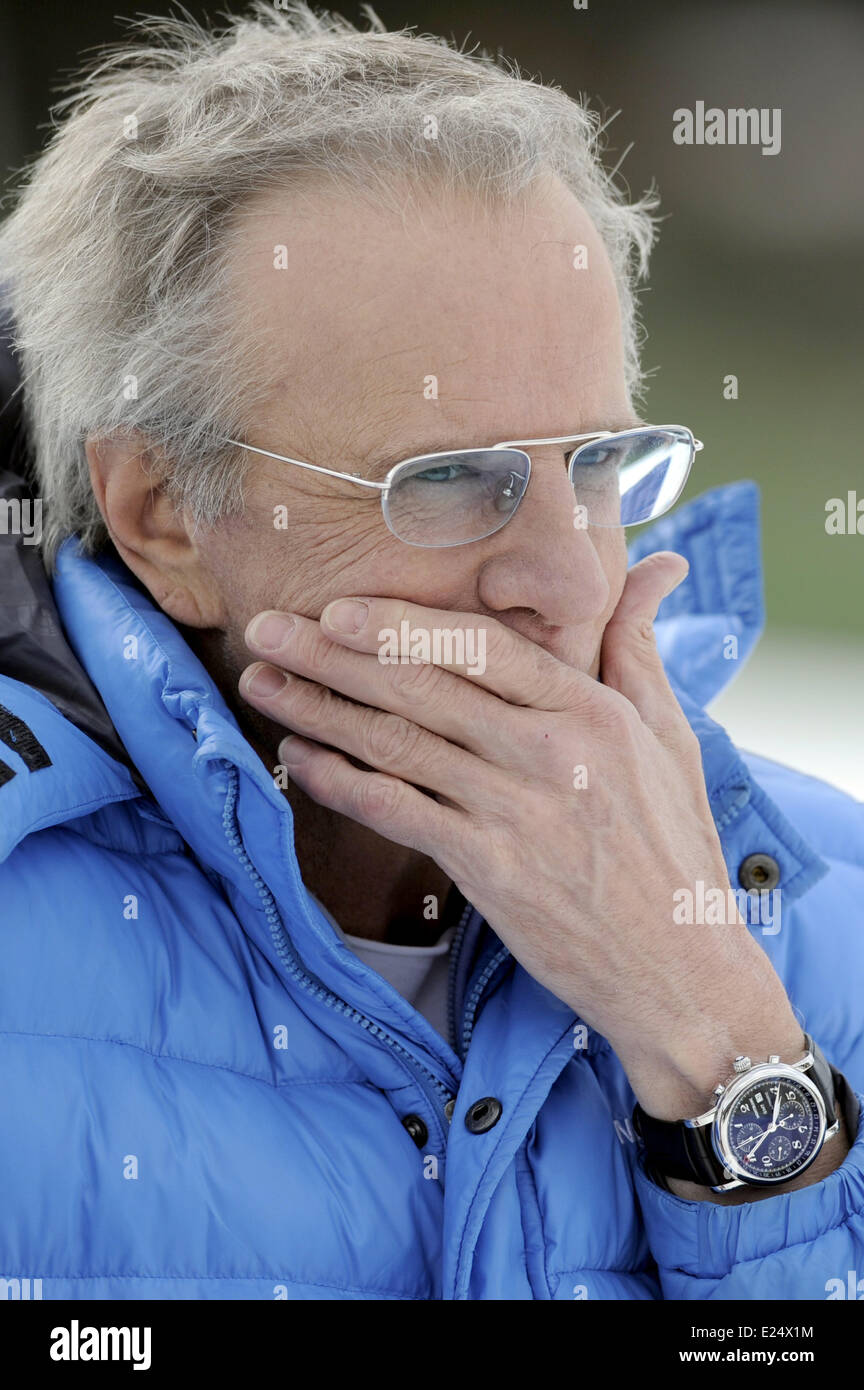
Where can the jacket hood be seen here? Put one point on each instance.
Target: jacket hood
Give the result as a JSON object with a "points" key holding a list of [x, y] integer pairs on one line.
{"points": [[33, 646]]}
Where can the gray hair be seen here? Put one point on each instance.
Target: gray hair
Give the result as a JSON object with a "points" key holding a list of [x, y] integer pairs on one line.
{"points": [[116, 255]]}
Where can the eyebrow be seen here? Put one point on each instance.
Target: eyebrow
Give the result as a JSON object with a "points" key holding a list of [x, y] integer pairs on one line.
{"points": [[373, 463]]}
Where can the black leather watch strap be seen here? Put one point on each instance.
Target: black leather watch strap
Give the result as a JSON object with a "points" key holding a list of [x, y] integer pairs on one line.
{"points": [[674, 1149], [847, 1104], [824, 1076]]}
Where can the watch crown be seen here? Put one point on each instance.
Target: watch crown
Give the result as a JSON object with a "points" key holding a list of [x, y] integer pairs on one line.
{"points": [[742, 1064]]}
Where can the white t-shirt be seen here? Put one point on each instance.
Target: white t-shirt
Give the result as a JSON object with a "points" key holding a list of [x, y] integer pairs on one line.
{"points": [[419, 973]]}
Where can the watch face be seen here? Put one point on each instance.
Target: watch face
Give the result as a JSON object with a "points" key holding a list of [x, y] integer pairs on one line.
{"points": [[772, 1127]]}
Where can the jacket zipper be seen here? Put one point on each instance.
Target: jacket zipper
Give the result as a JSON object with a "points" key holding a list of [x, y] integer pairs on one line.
{"points": [[469, 1018], [455, 952], [441, 1097], [470, 1010]]}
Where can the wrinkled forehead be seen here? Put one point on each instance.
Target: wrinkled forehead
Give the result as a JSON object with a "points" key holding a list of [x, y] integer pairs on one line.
{"points": [[499, 322]]}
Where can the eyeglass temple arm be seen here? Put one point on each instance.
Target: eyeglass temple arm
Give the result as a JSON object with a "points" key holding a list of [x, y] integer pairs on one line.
{"points": [[313, 467], [367, 482]]}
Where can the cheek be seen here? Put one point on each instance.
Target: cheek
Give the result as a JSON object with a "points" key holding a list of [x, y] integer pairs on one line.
{"points": [[321, 549]]}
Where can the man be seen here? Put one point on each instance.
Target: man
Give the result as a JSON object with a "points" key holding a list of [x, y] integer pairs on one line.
{"points": [[363, 871]]}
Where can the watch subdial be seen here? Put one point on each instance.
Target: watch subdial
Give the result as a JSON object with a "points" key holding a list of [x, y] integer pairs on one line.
{"points": [[779, 1148], [793, 1116], [744, 1136]]}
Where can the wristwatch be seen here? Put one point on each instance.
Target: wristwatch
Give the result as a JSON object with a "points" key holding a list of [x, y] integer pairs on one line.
{"points": [[767, 1124]]}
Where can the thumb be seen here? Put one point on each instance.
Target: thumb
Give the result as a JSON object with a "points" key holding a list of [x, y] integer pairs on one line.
{"points": [[629, 659]]}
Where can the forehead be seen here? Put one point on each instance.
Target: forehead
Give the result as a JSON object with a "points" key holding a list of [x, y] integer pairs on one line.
{"points": [[441, 318]]}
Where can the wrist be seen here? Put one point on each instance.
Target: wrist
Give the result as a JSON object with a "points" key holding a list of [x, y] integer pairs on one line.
{"points": [[726, 1002], [675, 1081]]}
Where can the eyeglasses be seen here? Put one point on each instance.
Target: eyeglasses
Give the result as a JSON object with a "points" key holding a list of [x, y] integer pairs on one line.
{"points": [[619, 478]]}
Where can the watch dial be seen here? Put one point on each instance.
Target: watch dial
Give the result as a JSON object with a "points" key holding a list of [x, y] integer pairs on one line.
{"points": [[774, 1129]]}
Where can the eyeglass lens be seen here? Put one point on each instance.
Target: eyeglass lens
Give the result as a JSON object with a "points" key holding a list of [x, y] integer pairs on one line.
{"points": [[450, 499]]}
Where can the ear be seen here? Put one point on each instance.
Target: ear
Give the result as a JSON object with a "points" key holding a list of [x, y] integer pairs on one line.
{"points": [[151, 535]]}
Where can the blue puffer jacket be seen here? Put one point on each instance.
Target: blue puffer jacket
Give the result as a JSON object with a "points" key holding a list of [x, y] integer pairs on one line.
{"points": [[202, 1091]]}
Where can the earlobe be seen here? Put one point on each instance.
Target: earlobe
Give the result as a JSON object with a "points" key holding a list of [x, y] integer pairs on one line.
{"points": [[183, 606]]}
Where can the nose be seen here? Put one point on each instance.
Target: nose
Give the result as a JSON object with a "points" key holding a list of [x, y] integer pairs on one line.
{"points": [[540, 560]]}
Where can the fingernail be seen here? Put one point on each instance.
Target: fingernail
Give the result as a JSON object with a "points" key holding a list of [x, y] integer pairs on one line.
{"points": [[269, 631], [265, 681], [346, 615], [290, 750]]}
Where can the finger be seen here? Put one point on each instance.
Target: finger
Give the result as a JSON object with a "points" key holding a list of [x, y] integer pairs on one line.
{"points": [[491, 654], [629, 660], [392, 808], [455, 709], [386, 742]]}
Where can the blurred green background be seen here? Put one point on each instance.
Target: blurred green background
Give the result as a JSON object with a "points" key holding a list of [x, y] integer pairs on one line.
{"points": [[758, 268]]}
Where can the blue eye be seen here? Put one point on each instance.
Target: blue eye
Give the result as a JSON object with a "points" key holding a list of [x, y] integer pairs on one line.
{"points": [[444, 473], [599, 456]]}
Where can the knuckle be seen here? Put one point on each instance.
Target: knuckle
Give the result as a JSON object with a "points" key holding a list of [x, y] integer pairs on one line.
{"points": [[558, 686], [417, 683], [308, 701], [321, 655], [501, 651], [390, 740], [614, 712], [376, 795]]}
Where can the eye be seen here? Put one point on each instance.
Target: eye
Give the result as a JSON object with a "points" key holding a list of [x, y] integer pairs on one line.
{"points": [[443, 473], [597, 456]]}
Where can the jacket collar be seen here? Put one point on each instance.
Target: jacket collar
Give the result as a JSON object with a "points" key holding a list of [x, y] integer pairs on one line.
{"points": [[706, 630], [708, 626]]}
